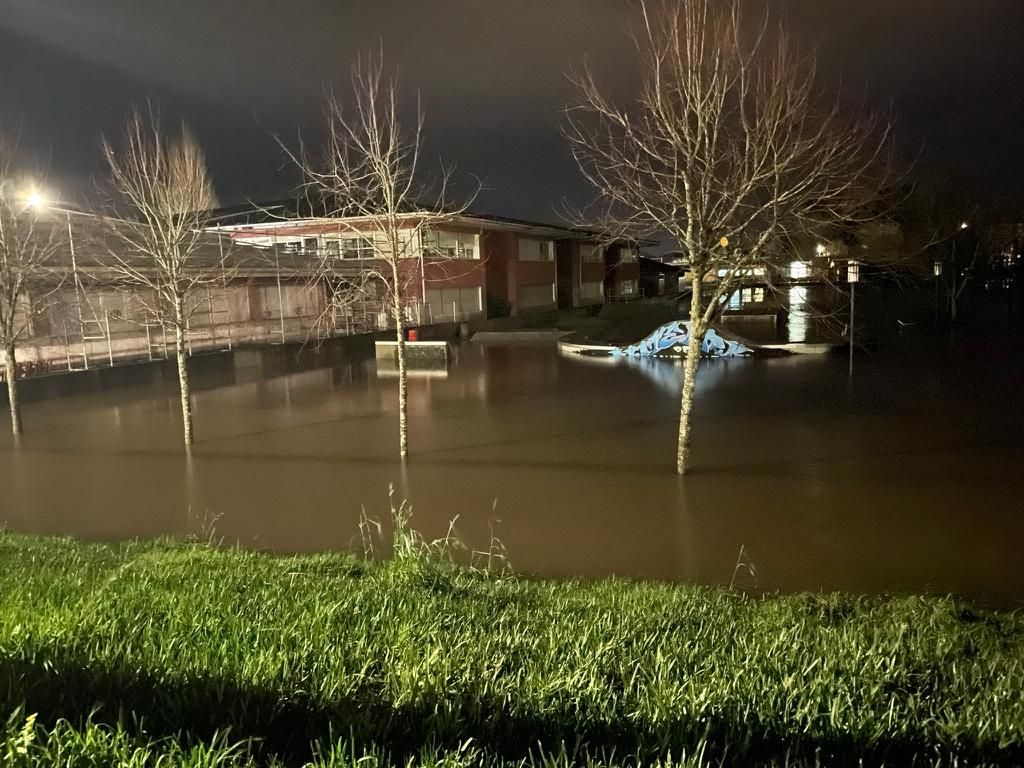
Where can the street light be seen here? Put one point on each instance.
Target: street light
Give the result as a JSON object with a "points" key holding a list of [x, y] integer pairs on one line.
{"points": [[852, 277], [937, 271], [35, 199]]}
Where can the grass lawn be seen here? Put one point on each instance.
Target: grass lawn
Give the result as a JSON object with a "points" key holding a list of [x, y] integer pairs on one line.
{"points": [[168, 653]]}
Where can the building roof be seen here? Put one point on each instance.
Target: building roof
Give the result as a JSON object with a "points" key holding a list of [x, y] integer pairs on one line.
{"points": [[294, 211], [95, 246]]}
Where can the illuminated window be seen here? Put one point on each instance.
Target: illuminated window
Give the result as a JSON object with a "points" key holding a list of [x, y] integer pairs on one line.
{"points": [[798, 270], [752, 296]]}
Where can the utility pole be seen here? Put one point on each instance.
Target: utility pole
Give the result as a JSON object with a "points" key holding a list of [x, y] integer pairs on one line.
{"points": [[852, 277]]}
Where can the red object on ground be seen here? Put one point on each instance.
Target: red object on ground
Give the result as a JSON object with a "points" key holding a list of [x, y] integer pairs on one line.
{"points": [[414, 334]]}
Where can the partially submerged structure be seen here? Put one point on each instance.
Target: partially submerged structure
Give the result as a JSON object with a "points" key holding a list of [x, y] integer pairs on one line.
{"points": [[474, 267]]}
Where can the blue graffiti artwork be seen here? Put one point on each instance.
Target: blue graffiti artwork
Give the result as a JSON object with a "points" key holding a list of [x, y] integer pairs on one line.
{"points": [[673, 337]]}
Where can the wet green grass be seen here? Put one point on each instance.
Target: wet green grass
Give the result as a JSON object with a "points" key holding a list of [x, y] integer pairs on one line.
{"points": [[168, 653]]}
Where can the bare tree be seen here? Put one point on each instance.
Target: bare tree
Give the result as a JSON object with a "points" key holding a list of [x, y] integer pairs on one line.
{"points": [[28, 273], [730, 150], [371, 177], [162, 194]]}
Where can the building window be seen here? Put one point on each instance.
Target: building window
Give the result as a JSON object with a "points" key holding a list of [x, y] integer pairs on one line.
{"points": [[593, 291], [357, 248], [628, 288], [536, 250], [452, 303], [627, 255], [591, 254], [536, 295], [798, 270], [450, 245], [746, 272]]}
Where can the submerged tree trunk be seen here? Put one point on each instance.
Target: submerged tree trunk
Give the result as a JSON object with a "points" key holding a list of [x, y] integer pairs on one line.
{"points": [[11, 369], [690, 375], [184, 385], [403, 428]]}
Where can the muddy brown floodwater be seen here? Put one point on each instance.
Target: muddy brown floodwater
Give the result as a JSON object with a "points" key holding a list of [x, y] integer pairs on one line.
{"points": [[908, 479]]}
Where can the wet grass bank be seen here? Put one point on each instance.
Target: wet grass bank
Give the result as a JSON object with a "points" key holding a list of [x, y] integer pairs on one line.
{"points": [[167, 653]]}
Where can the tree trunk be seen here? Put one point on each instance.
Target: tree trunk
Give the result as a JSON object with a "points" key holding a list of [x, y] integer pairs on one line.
{"points": [[184, 385], [690, 375], [403, 428], [10, 365], [953, 298]]}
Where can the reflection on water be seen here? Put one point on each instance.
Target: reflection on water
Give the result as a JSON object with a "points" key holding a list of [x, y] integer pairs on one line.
{"points": [[908, 482], [798, 311]]}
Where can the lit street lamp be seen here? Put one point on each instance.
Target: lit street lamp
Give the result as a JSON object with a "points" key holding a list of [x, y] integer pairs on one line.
{"points": [[852, 277], [937, 271], [35, 200]]}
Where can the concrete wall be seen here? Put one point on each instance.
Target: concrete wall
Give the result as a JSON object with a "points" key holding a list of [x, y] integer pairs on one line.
{"points": [[499, 251]]}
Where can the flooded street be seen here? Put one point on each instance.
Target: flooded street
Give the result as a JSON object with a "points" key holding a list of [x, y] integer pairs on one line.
{"points": [[909, 479]]}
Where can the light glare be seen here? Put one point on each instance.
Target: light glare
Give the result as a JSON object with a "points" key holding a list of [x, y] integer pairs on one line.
{"points": [[35, 199]]}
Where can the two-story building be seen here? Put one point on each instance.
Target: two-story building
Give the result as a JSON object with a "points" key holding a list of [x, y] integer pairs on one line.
{"points": [[464, 267]]}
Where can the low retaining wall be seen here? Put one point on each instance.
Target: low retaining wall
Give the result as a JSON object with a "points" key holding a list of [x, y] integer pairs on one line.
{"points": [[414, 350], [513, 337]]}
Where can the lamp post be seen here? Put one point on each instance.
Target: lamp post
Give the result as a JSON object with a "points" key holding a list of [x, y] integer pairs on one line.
{"points": [[937, 271], [852, 277], [954, 288]]}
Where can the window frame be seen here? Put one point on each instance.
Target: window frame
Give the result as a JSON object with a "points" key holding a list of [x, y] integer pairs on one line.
{"points": [[546, 258]]}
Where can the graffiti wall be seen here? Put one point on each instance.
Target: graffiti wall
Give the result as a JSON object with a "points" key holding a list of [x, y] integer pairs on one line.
{"points": [[672, 338]]}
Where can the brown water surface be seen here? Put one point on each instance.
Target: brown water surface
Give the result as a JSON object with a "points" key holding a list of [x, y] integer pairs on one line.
{"points": [[907, 479]]}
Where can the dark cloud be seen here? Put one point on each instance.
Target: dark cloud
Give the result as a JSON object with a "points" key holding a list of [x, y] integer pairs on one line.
{"points": [[491, 75]]}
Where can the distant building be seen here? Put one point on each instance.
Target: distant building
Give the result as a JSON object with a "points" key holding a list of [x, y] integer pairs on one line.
{"points": [[659, 277], [474, 266]]}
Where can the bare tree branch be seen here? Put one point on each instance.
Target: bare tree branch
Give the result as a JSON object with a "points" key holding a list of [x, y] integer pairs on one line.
{"points": [[370, 181], [30, 273], [163, 195], [730, 150]]}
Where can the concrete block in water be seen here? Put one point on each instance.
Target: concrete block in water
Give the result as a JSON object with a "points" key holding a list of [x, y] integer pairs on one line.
{"points": [[428, 352]]}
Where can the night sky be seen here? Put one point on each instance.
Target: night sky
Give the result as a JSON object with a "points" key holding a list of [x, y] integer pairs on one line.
{"points": [[491, 75]]}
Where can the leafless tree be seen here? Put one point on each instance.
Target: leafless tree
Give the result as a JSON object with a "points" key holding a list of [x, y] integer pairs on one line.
{"points": [[730, 150], [162, 194], [371, 178], [29, 274]]}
